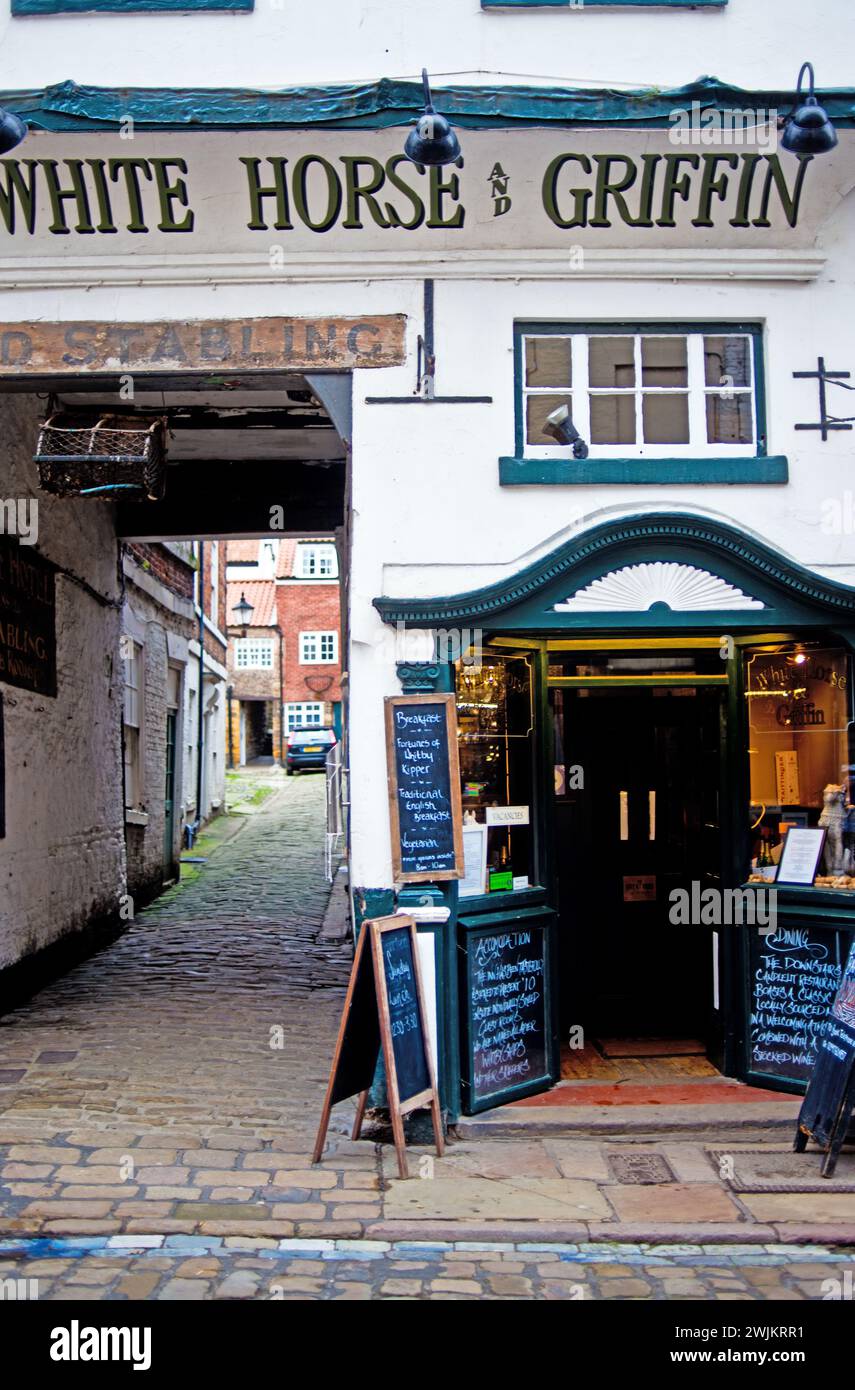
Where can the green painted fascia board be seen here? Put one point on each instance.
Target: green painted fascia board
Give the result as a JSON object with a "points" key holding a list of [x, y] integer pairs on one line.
{"points": [[36, 7], [385, 103], [528, 472], [729, 548]]}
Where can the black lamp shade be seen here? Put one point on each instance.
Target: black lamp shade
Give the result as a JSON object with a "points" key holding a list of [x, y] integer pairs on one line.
{"points": [[243, 611], [12, 130], [808, 129], [432, 141]]}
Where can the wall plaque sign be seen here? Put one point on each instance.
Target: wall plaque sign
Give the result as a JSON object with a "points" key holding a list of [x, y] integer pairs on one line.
{"points": [[27, 618]]}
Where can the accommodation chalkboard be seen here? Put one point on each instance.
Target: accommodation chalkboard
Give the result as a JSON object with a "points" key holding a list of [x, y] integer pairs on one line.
{"points": [[424, 788], [828, 1103], [508, 1045], [384, 1008], [794, 975]]}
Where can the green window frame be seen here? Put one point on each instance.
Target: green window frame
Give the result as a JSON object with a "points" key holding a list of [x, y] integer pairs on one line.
{"points": [[642, 461], [35, 7]]}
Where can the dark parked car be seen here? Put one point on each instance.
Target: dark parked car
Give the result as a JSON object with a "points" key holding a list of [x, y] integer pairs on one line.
{"points": [[308, 748]]}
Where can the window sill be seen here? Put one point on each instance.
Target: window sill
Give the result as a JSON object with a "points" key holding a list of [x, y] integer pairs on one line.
{"points": [[54, 7], [615, 4], [136, 817], [532, 472]]}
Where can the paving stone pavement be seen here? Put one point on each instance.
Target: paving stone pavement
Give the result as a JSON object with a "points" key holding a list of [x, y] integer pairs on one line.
{"points": [[172, 1086], [188, 1268]]}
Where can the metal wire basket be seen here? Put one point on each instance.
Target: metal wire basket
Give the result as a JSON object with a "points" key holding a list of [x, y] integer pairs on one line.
{"points": [[117, 456]]}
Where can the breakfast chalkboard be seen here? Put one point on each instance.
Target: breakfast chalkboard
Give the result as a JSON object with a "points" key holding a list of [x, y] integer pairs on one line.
{"points": [[384, 1008], [795, 973], [508, 1043], [828, 1103], [424, 787]]}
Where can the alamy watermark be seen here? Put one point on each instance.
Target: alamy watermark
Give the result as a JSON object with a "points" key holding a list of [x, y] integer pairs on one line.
{"points": [[756, 126], [19, 516], [724, 907]]}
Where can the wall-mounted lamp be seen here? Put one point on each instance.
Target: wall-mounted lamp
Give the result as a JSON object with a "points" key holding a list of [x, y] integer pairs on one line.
{"points": [[433, 141], [561, 427], [243, 612], [808, 129], [12, 130]]}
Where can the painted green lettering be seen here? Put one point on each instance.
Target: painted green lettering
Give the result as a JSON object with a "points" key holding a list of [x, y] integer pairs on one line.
{"points": [[277, 190], [59, 195], [711, 185], [364, 192], [789, 201], [395, 219], [676, 185], [131, 169], [171, 192], [438, 189], [580, 195], [301, 203], [16, 189], [607, 187]]}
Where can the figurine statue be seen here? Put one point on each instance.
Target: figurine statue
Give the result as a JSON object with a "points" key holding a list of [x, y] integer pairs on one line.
{"points": [[834, 816]]}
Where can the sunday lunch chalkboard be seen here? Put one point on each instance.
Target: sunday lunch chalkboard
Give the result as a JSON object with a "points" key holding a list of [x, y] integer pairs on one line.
{"points": [[424, 788], [828, 1104]]}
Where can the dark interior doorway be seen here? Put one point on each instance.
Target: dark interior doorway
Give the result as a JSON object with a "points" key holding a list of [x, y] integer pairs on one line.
{"points": [[644, 823]]}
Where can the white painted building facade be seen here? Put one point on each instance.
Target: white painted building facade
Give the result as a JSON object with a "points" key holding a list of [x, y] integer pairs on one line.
{"points": [[451, 498]]}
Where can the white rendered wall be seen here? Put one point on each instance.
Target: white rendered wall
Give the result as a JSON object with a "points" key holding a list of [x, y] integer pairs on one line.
{"points": [[758, 43], [62, 861]]}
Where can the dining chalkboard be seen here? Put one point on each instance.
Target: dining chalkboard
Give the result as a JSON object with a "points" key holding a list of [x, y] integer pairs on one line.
{"points": [[828, 1103], [424, 788], [507, 1023], [795, 974], [384, 1008]]}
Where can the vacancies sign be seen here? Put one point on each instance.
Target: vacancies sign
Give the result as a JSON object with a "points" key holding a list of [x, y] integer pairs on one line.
{"points": [[279, 199]]}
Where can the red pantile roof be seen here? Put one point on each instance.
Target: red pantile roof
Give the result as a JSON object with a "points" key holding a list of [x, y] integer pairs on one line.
{"points": [[261, 593]]}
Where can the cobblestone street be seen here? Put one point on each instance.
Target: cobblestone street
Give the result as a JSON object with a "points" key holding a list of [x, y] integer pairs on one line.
{"points": [[159, 1107]]}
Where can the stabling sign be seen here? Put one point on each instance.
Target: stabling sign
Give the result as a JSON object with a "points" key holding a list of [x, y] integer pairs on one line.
{"points": [[283, 344], [795, 973], [424, 788], [384, 1008], [27, 618], [506, 1022], [830, 1097]]}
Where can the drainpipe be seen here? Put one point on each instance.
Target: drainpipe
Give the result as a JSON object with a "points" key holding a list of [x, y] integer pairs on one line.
{"points": [[281, 701], [191, 831]]}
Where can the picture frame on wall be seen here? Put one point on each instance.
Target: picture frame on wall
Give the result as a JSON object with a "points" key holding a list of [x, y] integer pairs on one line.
{"points": [[801, 855]]}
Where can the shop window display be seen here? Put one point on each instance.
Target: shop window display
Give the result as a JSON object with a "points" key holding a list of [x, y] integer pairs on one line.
{"points": [[496, 740], [799, 720]]}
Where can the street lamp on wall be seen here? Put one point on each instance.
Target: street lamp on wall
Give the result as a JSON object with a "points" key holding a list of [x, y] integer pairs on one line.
{"points": [[808, 129], [242, 612], [12, 130], [433, 141]]}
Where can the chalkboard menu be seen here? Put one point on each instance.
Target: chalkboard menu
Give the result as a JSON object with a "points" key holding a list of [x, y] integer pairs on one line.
{"points": [[384, 1009], [795, 974], [424, 788], [408, 1041], [507, 1033], [830, 1097]]}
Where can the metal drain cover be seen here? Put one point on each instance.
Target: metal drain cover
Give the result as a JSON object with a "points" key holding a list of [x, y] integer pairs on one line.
{"points": [[639, 1168]]}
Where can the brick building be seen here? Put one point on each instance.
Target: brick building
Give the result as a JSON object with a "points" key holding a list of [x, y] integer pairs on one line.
{"points": [[285, 661], [161, 728]]}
